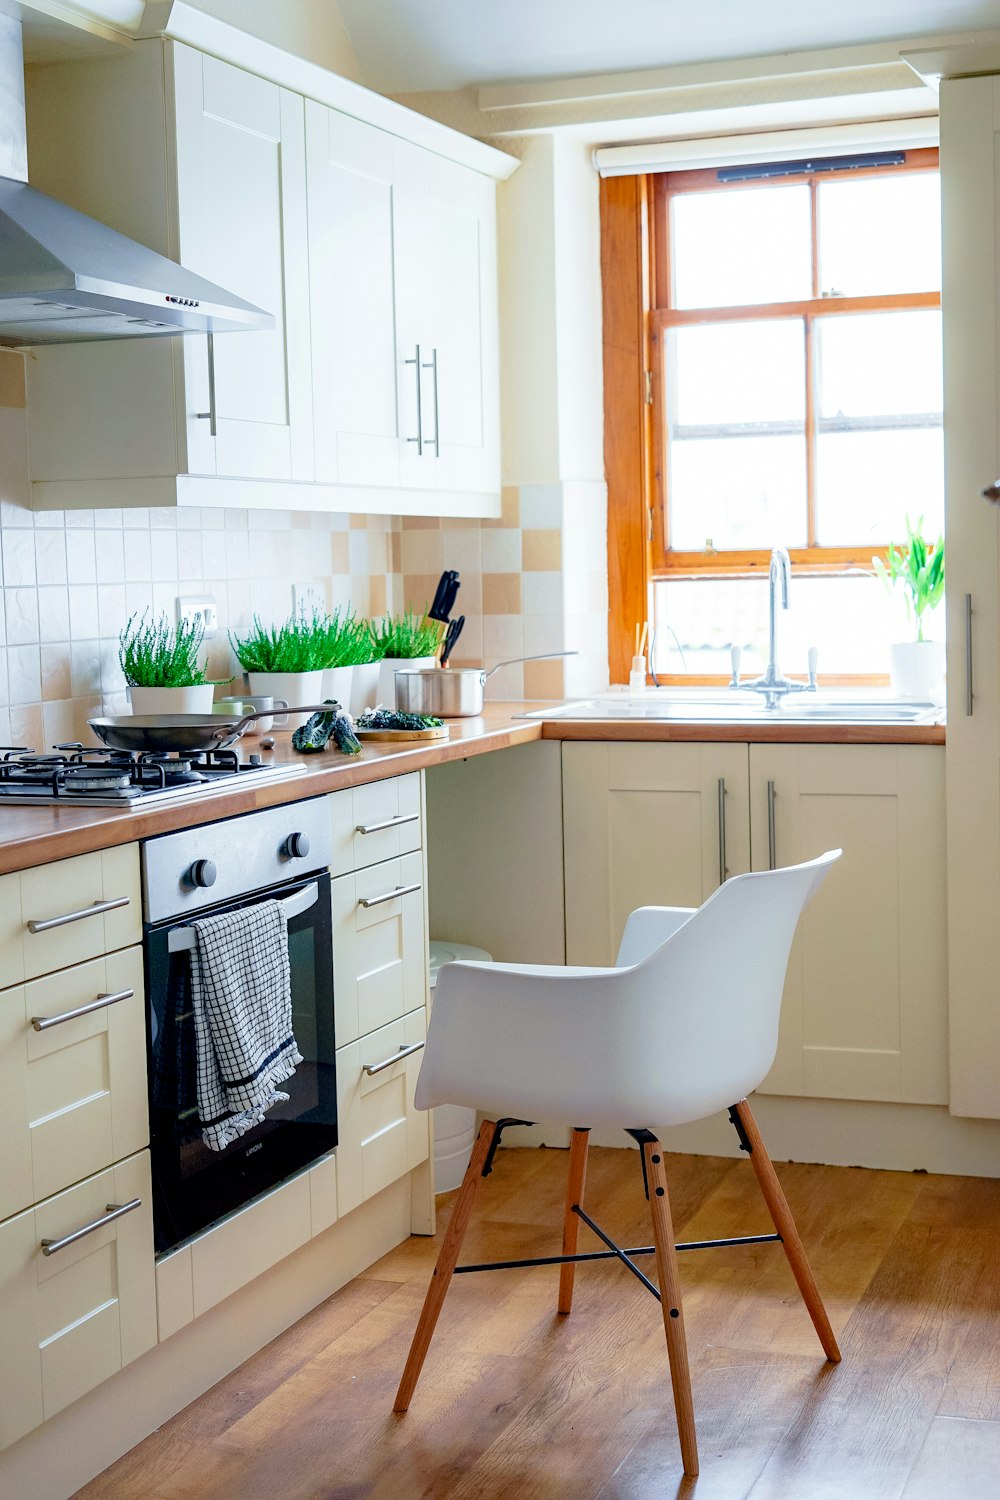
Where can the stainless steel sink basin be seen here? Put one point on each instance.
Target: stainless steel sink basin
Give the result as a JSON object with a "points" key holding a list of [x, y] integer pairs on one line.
{"points": [[737, 708]]}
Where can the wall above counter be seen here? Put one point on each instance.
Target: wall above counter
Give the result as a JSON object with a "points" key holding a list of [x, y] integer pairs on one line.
{"points": [[377, 389]]}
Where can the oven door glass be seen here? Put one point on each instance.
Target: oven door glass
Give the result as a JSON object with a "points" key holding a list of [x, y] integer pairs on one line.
{"points": [[194, 1186]]}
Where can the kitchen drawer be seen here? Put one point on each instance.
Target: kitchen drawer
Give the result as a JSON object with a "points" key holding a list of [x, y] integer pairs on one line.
{"points": [[379, 821], [73, 1318], [72, 1096], [382, 1136], [379, 951], [76, 888]]}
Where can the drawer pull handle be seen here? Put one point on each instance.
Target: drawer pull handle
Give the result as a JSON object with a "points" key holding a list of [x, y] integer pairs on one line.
{"points": [[42, 1023], [114, 1211], [401, 890], [372, 1068], [78, 916], [396, 822]]}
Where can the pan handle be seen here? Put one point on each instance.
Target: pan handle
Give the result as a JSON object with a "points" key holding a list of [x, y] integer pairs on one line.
{"points": [[226, 733], [542, 656]]}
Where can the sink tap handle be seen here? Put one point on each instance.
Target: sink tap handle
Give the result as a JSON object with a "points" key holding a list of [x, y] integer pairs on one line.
{"points": [[735, 656], [813, 659]]}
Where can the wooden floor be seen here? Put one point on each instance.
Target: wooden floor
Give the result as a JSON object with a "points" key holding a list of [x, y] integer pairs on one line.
{"points": [[516, 1402]]}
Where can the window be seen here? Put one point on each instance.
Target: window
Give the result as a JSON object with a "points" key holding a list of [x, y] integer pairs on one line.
{"points": [[793, 329]]}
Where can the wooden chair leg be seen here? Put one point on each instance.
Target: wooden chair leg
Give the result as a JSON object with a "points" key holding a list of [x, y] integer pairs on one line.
{"points": [[446, 1263], [670, 1302], [781, 1216], [579, 1142]]}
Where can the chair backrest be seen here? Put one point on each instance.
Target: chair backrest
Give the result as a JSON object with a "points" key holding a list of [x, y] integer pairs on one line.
{"points": [[712, 991]]}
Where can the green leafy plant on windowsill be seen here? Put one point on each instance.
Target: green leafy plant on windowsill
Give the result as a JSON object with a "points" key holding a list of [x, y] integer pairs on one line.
{"points": [[918, 570], [156, 653], [404, 637], [299, 644]]}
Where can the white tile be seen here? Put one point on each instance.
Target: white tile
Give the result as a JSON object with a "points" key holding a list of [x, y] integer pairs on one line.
{"points": [[237, 554], [53, 614], [501, 549], [84, 623], [50, 556], [544, 633], [135, 518], [5, 735], [541, 506], [26, 725], [4, 696], [110, 556], [163, 518], [81, 563], [77, 519], [541, 593], [24, 675], [18, 557], [109, 519], [213, 551], [503, 636], [21, 615], [49, 520], [164, 556], [57, 721], [112, 610], [236, 520], [138, 556], [85, 669]]}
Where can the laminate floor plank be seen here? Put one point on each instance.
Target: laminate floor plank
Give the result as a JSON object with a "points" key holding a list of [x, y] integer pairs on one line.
{"points": [[519, 1403]]}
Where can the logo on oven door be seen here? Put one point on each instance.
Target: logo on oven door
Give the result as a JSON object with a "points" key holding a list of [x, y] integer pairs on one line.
{"points": [[259, 1146]]}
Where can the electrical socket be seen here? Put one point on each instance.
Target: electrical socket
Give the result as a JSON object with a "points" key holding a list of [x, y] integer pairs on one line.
{"points": [[308, 599], [199, 609]]}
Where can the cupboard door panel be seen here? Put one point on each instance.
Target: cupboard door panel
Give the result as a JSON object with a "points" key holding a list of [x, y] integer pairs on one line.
{"points": [[379, 952], [864, 1013], [382, 1135], [72, 885], [396, 803], [642, 828]]}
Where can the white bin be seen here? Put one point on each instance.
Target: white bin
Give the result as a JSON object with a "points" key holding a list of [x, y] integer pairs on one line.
{"points": [[454, 1124]]}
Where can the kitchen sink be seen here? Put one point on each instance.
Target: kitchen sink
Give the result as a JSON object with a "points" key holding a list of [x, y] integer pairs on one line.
{"points": [[740, 708]]}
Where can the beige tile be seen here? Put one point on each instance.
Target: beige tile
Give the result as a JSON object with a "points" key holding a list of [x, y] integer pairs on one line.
{"points": [[543, 679], [358, 523], [377, 594], [421, 523], [340, 552], [541, 551], [419, 590], [396, 552], [421, 552], [12, 380], [501, 593], [26, 727], [510, 507]]}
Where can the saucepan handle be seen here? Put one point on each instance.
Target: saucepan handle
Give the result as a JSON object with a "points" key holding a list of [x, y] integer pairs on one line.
{"points": [[542, 656], [226, 733]]}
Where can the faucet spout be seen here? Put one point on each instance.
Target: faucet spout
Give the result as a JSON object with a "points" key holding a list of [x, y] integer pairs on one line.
{"points": [[773, 685]]}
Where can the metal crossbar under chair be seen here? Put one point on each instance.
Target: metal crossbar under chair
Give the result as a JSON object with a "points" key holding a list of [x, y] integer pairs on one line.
{"points": [[685, 1024]]}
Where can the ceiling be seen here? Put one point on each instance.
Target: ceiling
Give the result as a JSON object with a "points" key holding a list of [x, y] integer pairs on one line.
{"points": [[410, 45]]}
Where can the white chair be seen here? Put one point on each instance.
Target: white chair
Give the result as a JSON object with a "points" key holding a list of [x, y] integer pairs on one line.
{"points": [[685, 1024]]}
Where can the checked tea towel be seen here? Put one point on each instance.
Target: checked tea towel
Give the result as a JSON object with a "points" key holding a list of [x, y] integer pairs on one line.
{"points": [[241, 996]]}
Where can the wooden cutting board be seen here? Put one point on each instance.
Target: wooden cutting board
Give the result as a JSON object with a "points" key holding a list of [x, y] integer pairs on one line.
{"points": [[435, 732]]}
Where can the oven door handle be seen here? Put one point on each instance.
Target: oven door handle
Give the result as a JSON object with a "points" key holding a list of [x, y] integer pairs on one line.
{"points": [[182, 939]]}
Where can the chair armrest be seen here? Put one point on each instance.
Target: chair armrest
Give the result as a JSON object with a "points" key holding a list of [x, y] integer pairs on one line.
{"points": [[647, 929]]}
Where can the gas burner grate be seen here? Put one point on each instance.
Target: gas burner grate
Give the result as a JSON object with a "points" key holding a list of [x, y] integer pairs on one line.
{"points": [[106, 777]]}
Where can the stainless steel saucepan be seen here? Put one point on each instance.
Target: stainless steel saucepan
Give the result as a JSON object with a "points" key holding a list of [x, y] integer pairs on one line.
{"points": [[163, 734], [452, 692]]}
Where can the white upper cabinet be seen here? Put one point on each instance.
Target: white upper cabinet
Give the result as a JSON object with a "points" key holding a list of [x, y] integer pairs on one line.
{"points": [[402, 254], [362, 244]]}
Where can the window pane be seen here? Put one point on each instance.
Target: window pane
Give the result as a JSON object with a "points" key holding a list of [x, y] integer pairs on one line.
{"points": [[869, 482], [880, 234], [735, 373], [738, 492], [741, 246], [879, 364]]}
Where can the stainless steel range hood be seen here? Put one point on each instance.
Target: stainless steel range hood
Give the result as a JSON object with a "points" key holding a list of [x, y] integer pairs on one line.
{"points": [[65, 278]]}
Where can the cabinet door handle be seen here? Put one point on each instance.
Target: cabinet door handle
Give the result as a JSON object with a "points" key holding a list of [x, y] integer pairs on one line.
{"points": [[723, 872], [114, 1211], [78, 916], [372, 1068], [401, 890], [772, 840], [396, 822], [42, 1023], [433, 367], [419, 439], [968, 656], [212, 415]]}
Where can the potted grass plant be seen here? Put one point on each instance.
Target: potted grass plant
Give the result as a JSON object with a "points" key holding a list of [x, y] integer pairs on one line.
{"points": [[161, 666], [406, 640], [917, 570], [285, 662], [348, 645]]}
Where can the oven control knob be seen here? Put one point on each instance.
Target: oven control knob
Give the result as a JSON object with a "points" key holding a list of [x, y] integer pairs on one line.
{"points": [[203, 872], [297, 846]]}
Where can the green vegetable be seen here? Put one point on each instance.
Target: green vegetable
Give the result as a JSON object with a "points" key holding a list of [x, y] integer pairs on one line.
{"points": [[918, 569], [155, 653], [387, 718], [315, 734], [406, 636]]}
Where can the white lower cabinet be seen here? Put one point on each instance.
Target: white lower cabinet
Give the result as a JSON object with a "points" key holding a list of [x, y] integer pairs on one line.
{"points": [[381, 820], [864, 1013], [382, 1135], [72, 1318], [379, 954], [63, 913]]}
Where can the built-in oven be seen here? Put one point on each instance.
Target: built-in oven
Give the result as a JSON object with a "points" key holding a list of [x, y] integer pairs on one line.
{"points": [[278, 854]]}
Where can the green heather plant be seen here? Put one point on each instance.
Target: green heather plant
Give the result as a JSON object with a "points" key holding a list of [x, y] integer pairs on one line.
{"points": [[406, 636], [348, 639], [298, 644], [156, 653], [918, 569]]}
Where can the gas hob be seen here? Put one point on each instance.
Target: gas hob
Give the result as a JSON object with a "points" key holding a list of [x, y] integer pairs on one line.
{"points": [[72, 776]]}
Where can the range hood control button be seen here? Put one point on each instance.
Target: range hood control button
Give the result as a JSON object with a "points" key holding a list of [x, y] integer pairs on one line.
{"points": [[296, 846], [203, 872]]}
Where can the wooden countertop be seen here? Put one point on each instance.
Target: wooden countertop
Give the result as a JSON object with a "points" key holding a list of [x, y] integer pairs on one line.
{"points": [[38, 835]]}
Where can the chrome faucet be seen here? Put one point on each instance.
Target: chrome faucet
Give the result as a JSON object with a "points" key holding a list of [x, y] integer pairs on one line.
{"points": [[773, 684]]}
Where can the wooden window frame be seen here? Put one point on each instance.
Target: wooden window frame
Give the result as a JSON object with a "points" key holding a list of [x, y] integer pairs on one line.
{"points": [[635, 264]]}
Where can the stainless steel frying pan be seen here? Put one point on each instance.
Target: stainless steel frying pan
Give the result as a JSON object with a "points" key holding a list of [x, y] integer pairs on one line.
{"points": [[161, 734]]}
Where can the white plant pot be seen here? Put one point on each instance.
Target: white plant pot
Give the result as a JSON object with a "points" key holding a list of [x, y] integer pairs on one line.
{"points": [[364, 686], [291, 688], [172, 700], [338, 683], [916, 668], [389, 666]]}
